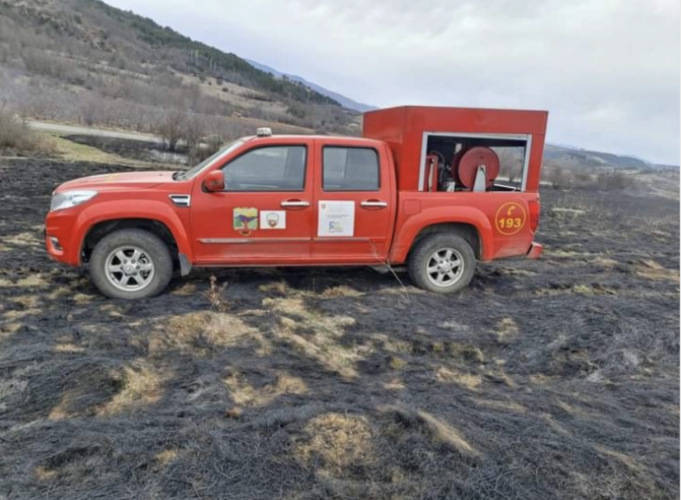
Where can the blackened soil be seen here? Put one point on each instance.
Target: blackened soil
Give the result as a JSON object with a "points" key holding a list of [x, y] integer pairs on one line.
{"points": [[546, 379]]}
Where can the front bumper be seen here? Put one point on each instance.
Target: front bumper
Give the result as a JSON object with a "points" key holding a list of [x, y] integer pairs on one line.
{"points": [[535, 251], [58, 238]]}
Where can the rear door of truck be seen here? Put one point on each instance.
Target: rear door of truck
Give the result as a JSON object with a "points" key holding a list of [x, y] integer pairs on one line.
{"points": [[354, 201]]}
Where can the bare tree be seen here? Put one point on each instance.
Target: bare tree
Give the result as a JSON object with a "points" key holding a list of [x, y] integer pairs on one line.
{"points": [[194, 130], [171, 127], [90, 110]]}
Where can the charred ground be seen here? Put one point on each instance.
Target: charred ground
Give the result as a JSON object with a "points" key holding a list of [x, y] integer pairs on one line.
{"points": [[548, 379]]}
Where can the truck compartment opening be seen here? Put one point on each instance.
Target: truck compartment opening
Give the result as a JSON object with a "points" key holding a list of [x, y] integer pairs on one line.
{"points": [[473, 163], [438, 149]]}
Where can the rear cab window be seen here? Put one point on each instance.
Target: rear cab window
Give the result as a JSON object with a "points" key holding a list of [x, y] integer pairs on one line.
{"points": [[349, 168]]}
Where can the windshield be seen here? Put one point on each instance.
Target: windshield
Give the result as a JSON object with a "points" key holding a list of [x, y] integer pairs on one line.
{"points": [[195, 170]]}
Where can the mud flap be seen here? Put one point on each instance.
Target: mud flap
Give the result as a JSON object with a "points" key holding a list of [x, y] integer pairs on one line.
{"points": [[185, 265], [535, 251]]}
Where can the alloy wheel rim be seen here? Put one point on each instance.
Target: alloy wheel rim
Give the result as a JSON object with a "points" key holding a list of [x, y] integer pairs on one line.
{"points": [[445, 267], [129, 268]]}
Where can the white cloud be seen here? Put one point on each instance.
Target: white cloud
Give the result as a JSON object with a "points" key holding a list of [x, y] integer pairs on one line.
{"points": [[607, 70]]}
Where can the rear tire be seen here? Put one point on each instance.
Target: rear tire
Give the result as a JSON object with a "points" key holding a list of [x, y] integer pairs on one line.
{"points": [[442, 263], [131, 264]]}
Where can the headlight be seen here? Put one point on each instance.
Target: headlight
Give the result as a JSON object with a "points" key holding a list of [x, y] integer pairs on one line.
{"points": [[70, 199]]}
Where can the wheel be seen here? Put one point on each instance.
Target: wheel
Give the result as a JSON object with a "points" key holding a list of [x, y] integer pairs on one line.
{"points": [[131, 264], [442, 263]]}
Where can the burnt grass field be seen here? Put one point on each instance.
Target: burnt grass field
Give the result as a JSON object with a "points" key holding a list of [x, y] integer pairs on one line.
{"points": [[549, 379]]}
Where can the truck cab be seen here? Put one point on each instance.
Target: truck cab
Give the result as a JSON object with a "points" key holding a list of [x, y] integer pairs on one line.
{"points": [[422, 187]]}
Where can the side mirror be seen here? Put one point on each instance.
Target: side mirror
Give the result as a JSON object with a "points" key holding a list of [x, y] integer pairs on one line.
{"points": [[215, 181]]}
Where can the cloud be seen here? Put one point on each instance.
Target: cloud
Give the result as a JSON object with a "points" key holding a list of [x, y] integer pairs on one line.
{"points": [[607, 70]]}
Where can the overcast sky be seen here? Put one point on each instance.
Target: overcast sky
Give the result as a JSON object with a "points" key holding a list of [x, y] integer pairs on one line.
{"points": [[607, 70]]}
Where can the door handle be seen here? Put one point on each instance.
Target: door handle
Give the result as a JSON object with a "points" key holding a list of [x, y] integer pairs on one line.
{"points": [[374, 203], [295, 203]]}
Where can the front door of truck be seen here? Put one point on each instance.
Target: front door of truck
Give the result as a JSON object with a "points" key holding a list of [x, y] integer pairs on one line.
{"points": [[354, 205], [265, 213]]}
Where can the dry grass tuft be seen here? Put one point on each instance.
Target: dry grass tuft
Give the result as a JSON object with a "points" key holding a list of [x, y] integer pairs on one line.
{"points": [[141, 385], [44, 474], [507, 330], [499, 377], [335, 292], [652, 270], [500, 405], [445, 433], [17, 315], [396, 363], [200, 333], [466, 352], [68, 348], [165, 457], [244, 394], [24, 239], [275, 287], [334, 442], [34, 281], [82, 299], [583, 289], [394, 384], [605, 262], [9, 329], [323, 344], [186, 290], [27, 301], [466, 380]]}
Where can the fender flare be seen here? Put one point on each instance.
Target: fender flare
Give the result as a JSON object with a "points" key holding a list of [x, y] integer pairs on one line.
{"points": [[407, 234], [140, 209]]}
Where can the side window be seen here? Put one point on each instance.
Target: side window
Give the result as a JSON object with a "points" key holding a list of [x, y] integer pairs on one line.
{"points": [[350, 169], [270, 168]]}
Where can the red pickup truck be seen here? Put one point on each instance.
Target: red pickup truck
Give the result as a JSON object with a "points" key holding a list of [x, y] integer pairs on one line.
{"points": [[422, 186]]}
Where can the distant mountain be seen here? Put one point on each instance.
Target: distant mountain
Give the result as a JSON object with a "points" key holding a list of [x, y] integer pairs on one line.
{"points": [[346, 102], [586, 158]]}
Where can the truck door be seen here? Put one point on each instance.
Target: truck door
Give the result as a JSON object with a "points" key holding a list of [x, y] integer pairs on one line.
{"points": [[265, 213], [354, 204]]}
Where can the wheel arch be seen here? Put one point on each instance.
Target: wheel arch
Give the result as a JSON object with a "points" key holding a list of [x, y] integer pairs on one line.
{"points": [[466, 230], [157, 217], [102, 228], [472, 224]]}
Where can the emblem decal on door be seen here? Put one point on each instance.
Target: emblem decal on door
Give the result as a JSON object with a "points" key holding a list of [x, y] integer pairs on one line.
{"points": [[272, 219], [245, 219]]}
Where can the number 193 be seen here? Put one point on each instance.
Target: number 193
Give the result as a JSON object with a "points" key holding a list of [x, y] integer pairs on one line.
{"points": [[510, 223]]}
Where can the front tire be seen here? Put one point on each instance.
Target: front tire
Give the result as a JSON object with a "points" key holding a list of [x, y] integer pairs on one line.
{"points": [[131, 264], [442, 263]]}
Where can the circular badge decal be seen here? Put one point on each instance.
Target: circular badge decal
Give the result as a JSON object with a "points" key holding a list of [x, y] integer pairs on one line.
{"points": [[511, 218]]}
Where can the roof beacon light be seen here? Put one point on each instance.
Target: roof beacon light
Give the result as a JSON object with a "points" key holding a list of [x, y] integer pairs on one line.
{"points": [[263, 132]]}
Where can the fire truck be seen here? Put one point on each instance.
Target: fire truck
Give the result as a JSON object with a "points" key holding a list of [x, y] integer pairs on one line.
{"points": [[422, 187]]}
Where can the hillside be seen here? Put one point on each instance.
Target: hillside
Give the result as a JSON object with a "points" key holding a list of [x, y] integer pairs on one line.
{"points": [[84, 61], [346, 102], [586, 158]]}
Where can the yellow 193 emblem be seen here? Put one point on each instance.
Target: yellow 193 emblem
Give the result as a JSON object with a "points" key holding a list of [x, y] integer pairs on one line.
{"points": [[510, 218]]}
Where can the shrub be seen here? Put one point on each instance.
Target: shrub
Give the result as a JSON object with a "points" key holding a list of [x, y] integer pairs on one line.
{"points": [[16, 136]]}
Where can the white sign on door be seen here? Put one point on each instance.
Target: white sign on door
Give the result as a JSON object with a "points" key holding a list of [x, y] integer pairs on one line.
{"points": [[336, 218]]}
